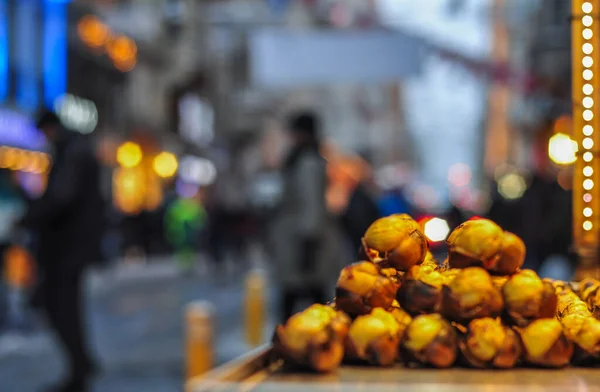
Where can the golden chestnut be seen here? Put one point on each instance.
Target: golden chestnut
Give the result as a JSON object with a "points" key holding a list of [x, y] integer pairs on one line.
{"points": [[527, 297], [471, 294], [362, 287], [398, 241], [375, 338], [430, 340], [512, 255], [313, 338], [475, 243], [488, 343], [421, 289], [545, 343]]}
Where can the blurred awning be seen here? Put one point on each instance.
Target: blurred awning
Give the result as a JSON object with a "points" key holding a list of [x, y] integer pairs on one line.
{"points": [[286, 58]]}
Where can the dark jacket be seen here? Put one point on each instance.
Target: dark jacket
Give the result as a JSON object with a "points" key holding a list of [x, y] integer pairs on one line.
{"points": [[359, 214], [68, 218]]}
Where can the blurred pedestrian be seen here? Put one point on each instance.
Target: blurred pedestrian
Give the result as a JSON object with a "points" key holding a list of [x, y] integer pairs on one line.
{"points": [[303, 238], [361, 209], [67, 220]]}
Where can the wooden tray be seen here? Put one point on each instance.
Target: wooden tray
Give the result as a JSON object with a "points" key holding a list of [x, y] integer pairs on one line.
{"points": [[260, 371]]}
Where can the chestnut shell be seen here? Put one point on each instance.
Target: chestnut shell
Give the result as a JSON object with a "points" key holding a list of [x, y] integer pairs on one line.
{"points": [[507, 357], [321, 357], [440, 353], [489, 305]]}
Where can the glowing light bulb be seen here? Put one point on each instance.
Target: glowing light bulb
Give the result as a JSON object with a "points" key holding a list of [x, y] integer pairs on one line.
{"points": [[587, 61], [588, 143], [588, 156], [588, 184], [588, 171], [588, 130], [587, 33], [587, 20], [587, 74], [562, 149], [587, 89], [588, 115], [587, 225], [587, 7], [587, 48], [587, 197], [587, 102], [587, 212]]}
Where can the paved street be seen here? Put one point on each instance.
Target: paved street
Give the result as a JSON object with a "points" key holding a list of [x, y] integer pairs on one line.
{"points": [[137, 331]]}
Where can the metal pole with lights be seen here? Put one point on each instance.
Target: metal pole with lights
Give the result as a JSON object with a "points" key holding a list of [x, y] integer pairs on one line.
{"points": [[586, 122]]}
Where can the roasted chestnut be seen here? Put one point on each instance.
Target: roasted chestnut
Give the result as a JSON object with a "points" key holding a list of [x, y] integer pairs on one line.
{"points": [[375, 338], [489, 344], [398, 241], [421, 289], [362, 287], [313, 338], [430, 340], [470, 295], [512, 255], [527, 297], [545, 343], [475, 243]]}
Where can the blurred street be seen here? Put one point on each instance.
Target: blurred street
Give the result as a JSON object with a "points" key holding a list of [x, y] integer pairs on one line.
{"points": [[159, 153], [138, 330]]}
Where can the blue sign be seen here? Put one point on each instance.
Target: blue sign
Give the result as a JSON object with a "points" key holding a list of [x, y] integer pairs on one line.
{"points": [[55, 50], [26, 53], [4, 65]]}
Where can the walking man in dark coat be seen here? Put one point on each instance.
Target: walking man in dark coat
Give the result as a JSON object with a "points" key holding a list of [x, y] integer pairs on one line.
{"points": [[67, 221]]}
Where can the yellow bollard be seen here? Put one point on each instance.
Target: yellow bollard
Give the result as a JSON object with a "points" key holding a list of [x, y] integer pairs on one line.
{"points": [[255, 307], [199, 338]]}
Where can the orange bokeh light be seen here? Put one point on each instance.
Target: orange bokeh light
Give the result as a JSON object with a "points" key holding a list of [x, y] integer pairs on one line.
{"points": [[123, 52], [122, 49], [93, 32]]}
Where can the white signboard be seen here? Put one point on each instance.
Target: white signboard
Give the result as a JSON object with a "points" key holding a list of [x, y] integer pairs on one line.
{"points": [[286, 58]]}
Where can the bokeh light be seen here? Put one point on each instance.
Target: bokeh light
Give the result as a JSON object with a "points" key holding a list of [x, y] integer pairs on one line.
{"points": [[562, 149], [165, 164], [93, 32], [129, 155], [123, 52], [512, 186], [436, 229], [459, 174]]}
